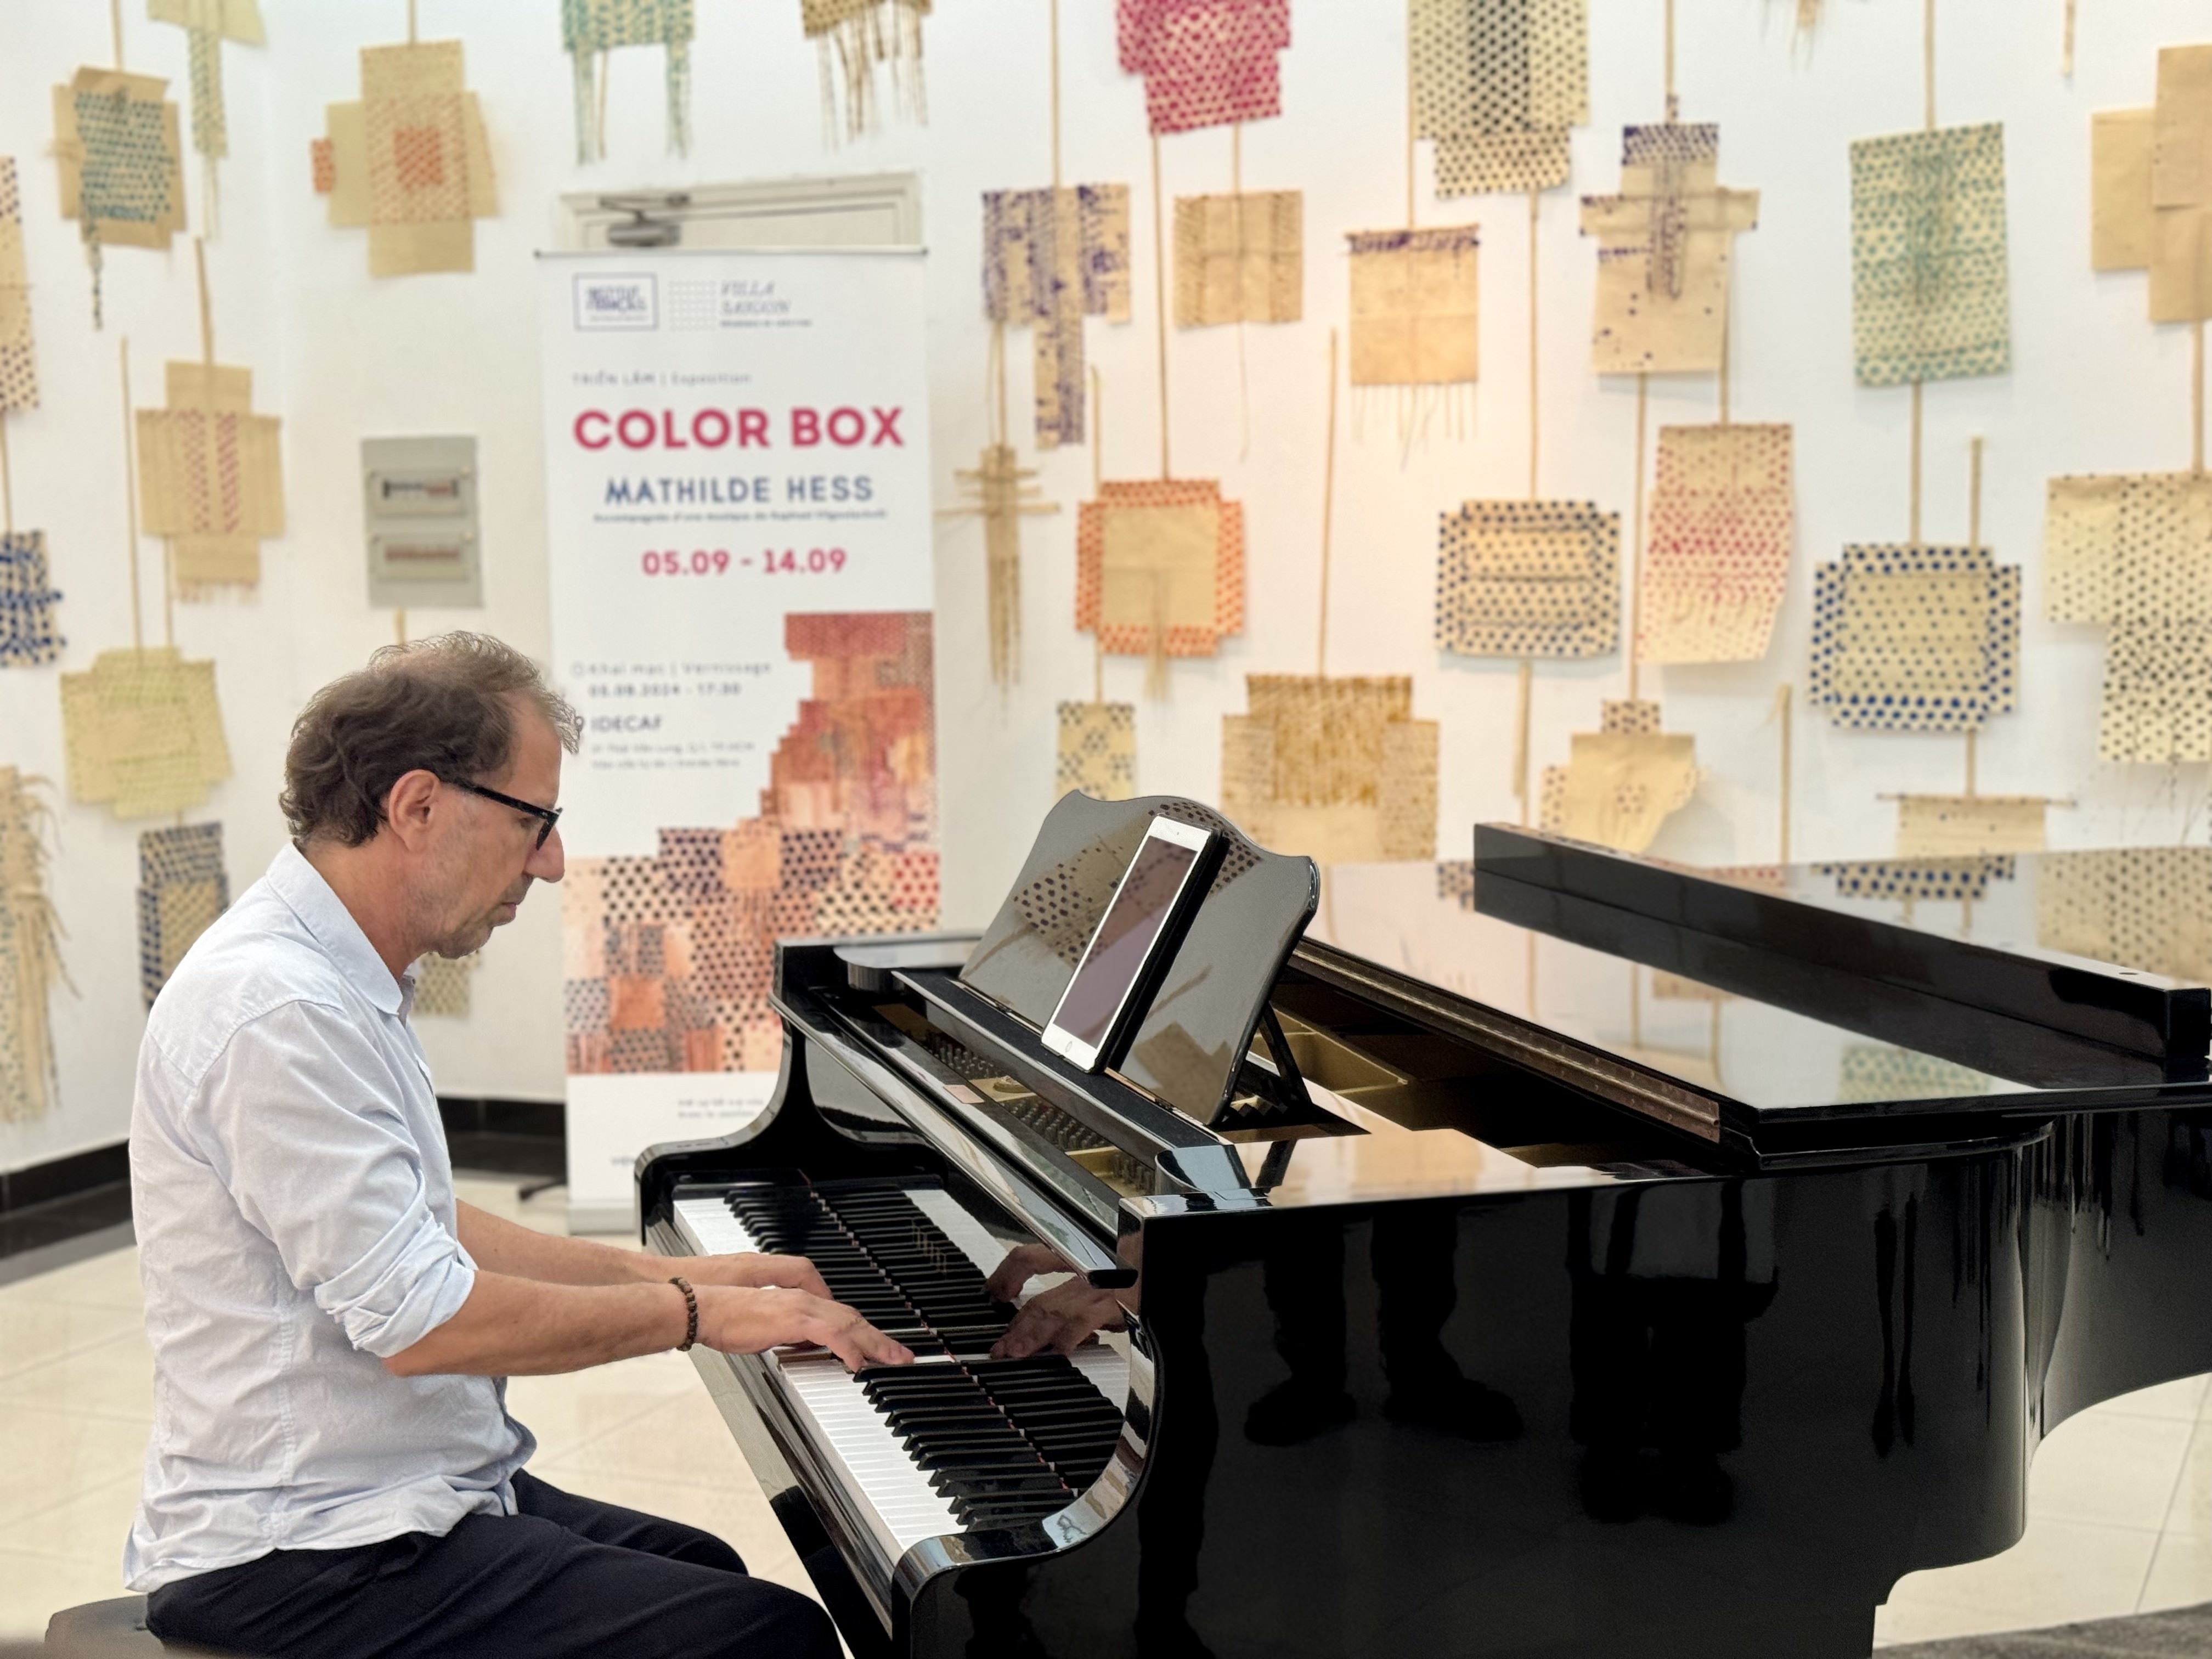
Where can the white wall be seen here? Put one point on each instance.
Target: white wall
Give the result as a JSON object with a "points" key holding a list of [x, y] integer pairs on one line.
{"points": [[2095, 387]]}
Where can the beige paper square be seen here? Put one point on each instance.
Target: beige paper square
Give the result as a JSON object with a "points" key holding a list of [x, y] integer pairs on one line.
{"points": [[1618, 787], [1415, 306], [1097, 749], [1239, 258], [142, 732], [1158, 570], [1957, 826], [117, 134], [1665, 244], [2120, 215]]}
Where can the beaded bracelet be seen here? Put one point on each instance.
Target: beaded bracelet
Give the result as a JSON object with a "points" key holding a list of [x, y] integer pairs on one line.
{"points": [[691, 1307]]}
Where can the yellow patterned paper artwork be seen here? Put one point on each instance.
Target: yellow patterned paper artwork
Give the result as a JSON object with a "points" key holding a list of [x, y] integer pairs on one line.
{"points": [[1097, 751], [1415, 305], [1336, 768], [2150, 204], [142, 732], [2134, 553], [1497, 85], [207, 24], [30, 949], [1621, 782], [411, 161], [19, 375], [1239, 258], [211, 477], [1666, 245], [1528, 579], [1959, 826], [2142, 908]]}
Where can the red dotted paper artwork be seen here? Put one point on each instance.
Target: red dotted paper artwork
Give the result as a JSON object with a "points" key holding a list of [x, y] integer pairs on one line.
{"points": [[1723, 522], [211, 477], [1160, 570], [410, 162], [1528, 579], [2134, 553], [668, 959], [1206, 63], [1337, 769]]}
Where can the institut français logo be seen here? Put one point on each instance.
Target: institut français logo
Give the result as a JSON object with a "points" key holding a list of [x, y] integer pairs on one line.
{"points": [[606, 301]]}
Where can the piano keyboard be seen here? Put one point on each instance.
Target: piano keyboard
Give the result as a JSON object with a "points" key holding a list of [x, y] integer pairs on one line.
{"points": [[956, 1442]]}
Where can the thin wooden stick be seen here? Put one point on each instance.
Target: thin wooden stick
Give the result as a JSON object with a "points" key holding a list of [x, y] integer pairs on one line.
{"points": [[1097, 448], [1928, 64], [207, 307], [1974, 542], [1915, 506], [1674, 104], [2196, 396], [168, 591], [7, 484], [1534, 200], [1160, 303], [130, 500], [399, 627], [1727, 312], [1782, 700], [411, 22], [2066, 51], [1055, 93], [1636, 555], [1524, 685], [115, 28], [1412, 120], [1236, 175], [1327, 512], [998, 370]]}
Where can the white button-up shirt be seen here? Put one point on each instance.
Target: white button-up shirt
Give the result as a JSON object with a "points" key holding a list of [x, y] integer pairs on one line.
{"points": [[294, 1208]]}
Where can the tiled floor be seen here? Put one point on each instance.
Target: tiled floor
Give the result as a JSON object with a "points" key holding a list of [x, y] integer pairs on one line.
{"points": [[2120, 1500]]}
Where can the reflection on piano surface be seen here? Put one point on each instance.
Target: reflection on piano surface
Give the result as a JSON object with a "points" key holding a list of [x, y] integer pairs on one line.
{"points": [[1451, 1311]]}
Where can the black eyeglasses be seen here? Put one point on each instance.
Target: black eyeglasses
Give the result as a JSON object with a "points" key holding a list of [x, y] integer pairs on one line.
{"points": [[548, 816]]}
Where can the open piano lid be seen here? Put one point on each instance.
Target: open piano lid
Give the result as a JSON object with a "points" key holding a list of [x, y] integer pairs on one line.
{"points": [[1747, 1007]]}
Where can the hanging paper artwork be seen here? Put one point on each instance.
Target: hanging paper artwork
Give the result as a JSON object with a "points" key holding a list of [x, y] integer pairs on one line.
{"points": [[182, 888], [2141, 908], [1622, 781], [2134, 552], [411, 161], [1497, 85], [1160, 570], [1966, 879], [19, 375], [207, 24], [1338, 769], [1098, 751], [2150, 200], [442, 985], [142, 732], [854, 37], [28, 633], [1003, 493], [1723, 522], [1915, 639], [670, 960], [1052, 257], [30, 950], [1415, 305], [590, 29], [1929, 296], [211, 477], [122, 169], [1528, 579], [1206, 63], [1239, 258], [1666, 242], [1957, 826]]}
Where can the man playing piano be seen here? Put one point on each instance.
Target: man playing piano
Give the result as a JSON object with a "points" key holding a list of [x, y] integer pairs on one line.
{"points": [[333, 1469]]}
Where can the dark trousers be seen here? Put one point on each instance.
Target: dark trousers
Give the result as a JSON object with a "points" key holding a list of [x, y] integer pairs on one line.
{"points": [[567, 1575]]}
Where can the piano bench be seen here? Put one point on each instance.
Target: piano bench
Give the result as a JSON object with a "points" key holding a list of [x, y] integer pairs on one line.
{"points": [[106, 1630]]}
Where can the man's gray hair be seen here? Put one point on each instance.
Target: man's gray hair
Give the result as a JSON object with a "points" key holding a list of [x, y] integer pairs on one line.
{"points": [[445, 705]]}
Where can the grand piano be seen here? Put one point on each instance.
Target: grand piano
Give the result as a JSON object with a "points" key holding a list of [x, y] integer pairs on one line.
{"points": [[1563, 1254]]}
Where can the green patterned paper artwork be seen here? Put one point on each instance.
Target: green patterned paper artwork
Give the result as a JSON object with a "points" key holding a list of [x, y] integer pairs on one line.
{"points": [[1928, 292]]}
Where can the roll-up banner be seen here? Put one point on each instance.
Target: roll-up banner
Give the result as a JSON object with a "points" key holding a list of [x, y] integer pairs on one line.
{"points": [[738, 512]]}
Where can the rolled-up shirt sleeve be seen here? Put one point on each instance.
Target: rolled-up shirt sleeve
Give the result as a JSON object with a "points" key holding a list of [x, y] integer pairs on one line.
{"points": [[300, 1128]]}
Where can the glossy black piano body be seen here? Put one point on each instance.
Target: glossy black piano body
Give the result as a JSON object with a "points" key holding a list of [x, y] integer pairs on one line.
{"points": [[1755, 1384]]}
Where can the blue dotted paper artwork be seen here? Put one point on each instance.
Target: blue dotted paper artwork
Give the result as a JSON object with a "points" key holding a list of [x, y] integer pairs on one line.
{"points": [[1052, 257], [1929, 296], [122, 169], [182, 888], [1666, 242], [19, 375], [1915, 639], [28, 597], [1528, 579], [1933, 879]]}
